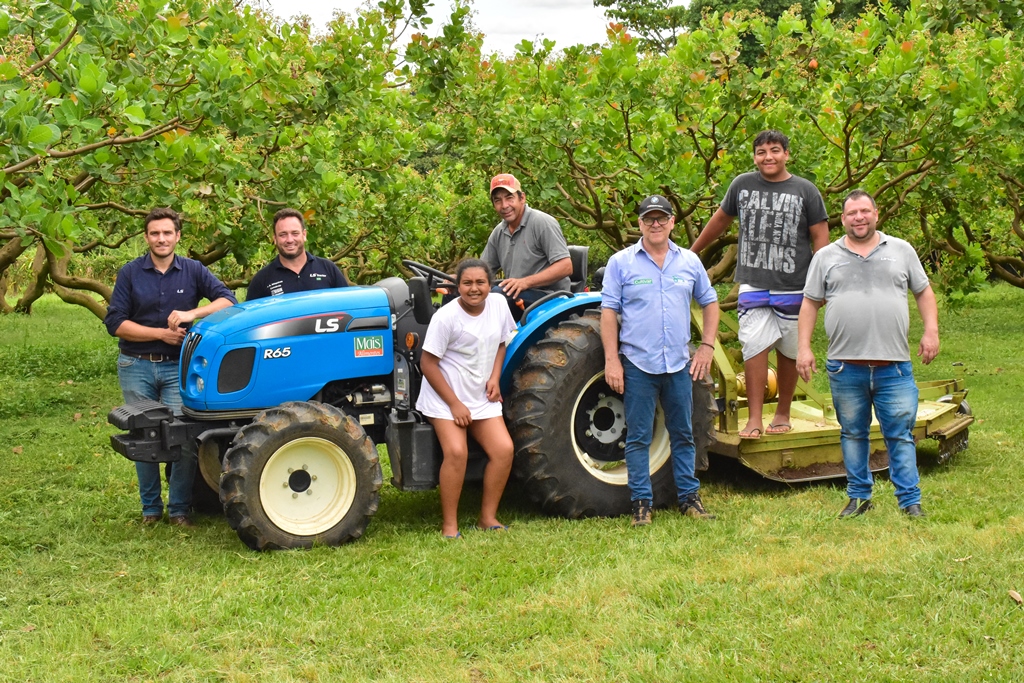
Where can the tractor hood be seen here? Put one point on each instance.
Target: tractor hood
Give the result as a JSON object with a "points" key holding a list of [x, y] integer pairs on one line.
{"points": [[285, 348]]}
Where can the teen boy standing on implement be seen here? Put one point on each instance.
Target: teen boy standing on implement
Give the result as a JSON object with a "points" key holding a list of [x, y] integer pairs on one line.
{"points": [[782, 217]]}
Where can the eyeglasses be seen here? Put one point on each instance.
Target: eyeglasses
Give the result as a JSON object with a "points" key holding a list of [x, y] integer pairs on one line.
{"points": [[651, 222]]}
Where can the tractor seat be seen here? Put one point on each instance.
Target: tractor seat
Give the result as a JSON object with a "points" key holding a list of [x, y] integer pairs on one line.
{"points": [[578, 277]]}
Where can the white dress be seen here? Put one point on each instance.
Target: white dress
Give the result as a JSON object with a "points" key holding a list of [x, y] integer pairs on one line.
{"points": [[466, 346]]}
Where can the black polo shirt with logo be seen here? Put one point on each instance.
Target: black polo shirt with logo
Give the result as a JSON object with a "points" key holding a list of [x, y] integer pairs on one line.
{"points": [[274, 278]]}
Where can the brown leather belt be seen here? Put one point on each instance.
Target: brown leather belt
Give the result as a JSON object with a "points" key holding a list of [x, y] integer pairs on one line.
{"points": [[871, 363], [151, 357]]}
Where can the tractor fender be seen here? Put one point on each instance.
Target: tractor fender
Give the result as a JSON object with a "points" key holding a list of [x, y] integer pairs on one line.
{"points": [[548, 314]]}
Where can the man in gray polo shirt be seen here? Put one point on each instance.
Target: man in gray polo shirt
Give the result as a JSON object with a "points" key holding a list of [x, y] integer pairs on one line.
{"points": [[863, 277], [527, 246]]}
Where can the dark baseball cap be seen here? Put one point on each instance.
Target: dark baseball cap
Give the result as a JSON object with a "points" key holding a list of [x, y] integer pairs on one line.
{"points": [[654, 203]]}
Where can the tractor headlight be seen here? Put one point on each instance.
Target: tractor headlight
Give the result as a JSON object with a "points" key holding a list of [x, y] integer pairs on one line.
{"points": [[200, 384]]}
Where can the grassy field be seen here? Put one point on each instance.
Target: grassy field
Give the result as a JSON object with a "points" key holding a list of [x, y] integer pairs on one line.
{"points": [[775, 590]]}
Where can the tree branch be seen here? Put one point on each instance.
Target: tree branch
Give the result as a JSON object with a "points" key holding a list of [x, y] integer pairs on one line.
{"points": [[48, 58], [63, 154], [58, 273]]}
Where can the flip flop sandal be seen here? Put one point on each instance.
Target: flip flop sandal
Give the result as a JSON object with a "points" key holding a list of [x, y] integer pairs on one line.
{"points": [[781, 428], [495, 527], [752, 435]]}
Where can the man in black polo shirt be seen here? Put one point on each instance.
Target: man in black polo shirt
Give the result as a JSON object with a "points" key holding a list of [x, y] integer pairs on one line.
{"points": [[155, 298], [293, 269]]}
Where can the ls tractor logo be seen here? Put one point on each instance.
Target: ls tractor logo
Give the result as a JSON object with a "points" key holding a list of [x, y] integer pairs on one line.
{"points": [[297, 327], [369, 346]]}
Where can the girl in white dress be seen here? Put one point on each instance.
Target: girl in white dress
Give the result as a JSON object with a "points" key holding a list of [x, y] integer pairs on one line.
{"points": [[463, 351]]}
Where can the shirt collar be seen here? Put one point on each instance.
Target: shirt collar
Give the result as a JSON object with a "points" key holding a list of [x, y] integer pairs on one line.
{"points": [[882, 239], [639, 246], [147, 262], [277, 261], [522, 223]]}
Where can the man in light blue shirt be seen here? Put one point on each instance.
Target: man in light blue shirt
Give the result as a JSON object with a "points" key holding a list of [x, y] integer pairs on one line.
{"points": [[651, 285]]}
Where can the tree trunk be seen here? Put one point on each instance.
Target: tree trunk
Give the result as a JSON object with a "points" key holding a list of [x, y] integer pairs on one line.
{"points": [[35, 289]]}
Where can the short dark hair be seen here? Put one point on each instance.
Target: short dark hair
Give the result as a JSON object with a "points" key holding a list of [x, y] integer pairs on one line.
{"points": [[288, 213], [767, 137], [859, 194], [467, 263], [160, 214]]}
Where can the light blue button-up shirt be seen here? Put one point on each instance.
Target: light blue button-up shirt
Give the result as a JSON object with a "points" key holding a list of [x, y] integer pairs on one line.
{"points": [[655, 304]]}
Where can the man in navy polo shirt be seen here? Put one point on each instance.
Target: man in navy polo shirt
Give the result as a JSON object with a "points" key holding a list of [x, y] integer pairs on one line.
{"points": [[155, 298], [651, 285], [293, 269]]}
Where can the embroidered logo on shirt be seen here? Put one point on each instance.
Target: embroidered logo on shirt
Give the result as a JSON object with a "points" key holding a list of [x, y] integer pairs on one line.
{"points": [[643, 281]]}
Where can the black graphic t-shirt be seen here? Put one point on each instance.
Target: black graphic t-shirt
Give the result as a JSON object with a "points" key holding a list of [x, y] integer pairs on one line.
{"points": [[774, 242]]}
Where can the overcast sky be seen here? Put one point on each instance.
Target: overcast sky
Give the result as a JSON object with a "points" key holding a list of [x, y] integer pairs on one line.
{"points": [[504, 23]]}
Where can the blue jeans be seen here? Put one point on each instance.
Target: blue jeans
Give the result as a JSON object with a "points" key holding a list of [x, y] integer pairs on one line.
{"points": [[893, 393], [641, 397], [141, 379]]}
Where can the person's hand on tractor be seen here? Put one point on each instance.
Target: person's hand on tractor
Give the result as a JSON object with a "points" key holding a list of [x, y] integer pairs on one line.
{"points": [[514, 286], [178, 318]]}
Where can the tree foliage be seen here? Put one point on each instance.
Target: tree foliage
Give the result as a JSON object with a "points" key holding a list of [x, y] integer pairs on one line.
{"points": [[385, 136], [110, 108], [884, 103]]}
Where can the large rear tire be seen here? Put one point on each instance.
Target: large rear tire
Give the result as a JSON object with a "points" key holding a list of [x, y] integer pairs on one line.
{"points": [[569, 427], [300, 474]]}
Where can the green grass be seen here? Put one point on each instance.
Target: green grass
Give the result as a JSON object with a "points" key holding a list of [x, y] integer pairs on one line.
{"points": [[775, 590]]}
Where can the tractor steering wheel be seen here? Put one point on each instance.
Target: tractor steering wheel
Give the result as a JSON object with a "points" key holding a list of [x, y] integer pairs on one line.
{"points": [[543, 299], [429, 273]]}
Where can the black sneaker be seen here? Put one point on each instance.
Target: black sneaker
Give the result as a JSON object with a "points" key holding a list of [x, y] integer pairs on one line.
{"points": [[691, 506], [913, 510], [856, 507], [642, 512]]}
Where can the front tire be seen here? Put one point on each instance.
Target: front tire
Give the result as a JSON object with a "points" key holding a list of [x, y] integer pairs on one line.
{"points": [[569, 427], [300, 474]]}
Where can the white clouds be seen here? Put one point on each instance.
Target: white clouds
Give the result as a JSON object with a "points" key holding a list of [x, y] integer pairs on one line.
{"points": [[504, 23]]}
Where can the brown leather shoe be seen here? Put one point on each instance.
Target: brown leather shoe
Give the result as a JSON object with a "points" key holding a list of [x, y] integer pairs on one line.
{"points": [[150, 520], [182, 520]]}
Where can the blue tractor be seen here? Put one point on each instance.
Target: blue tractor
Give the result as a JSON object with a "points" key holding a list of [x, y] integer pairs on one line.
{"points": [[287, 398]]}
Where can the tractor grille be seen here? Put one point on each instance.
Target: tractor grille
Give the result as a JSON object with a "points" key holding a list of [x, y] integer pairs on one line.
{"points": [[236, 370], [187, 349]]}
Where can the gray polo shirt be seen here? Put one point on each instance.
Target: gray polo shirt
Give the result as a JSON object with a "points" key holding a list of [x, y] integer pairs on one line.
{"points": [[536, 244], [866, 311]]}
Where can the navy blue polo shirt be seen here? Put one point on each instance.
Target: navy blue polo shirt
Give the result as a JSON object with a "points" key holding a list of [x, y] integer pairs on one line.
{"points": [[144, 295], [274, 278]]}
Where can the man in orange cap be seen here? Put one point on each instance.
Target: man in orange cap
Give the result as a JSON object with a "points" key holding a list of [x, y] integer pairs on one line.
{"points": [[527, 246]]}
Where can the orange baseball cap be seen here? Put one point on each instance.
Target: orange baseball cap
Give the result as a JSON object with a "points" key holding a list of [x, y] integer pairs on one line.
{"points": [[506, 181]]}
